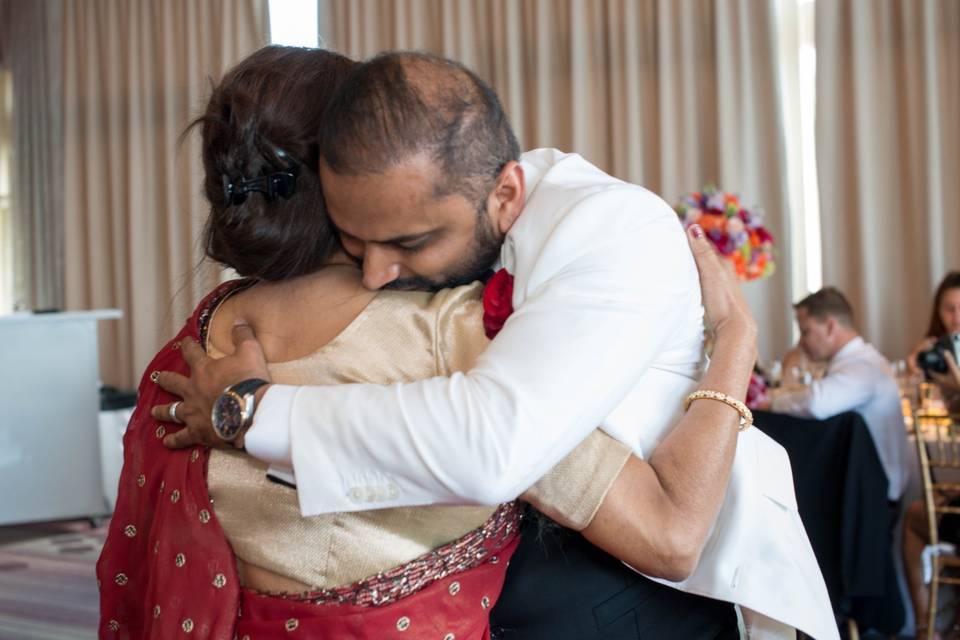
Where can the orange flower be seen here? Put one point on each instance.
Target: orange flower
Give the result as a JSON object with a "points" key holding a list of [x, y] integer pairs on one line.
{"points": [[710, 222]]}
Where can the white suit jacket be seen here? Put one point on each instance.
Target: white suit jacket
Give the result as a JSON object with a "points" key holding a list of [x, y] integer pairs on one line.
{"points": [[607, 330]]}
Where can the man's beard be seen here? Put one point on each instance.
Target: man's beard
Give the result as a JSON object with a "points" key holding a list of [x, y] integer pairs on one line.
{"points": [[476, 265]]}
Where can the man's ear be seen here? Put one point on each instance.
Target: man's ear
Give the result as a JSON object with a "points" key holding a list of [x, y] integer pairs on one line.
{"points": [[832, 326], [505, 202]]}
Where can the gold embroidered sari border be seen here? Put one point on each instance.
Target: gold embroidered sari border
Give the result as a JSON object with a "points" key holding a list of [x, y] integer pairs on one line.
{"points": [[467, 552]]}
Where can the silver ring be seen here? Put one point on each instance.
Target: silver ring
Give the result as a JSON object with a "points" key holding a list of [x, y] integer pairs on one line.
{"points": [[173, 412]]}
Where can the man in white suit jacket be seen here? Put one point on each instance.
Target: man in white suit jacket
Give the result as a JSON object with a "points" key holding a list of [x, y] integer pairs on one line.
{"points": [[607, 330]]}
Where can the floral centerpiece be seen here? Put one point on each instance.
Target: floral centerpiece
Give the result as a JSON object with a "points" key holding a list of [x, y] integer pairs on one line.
{"points": [[736, 231]]}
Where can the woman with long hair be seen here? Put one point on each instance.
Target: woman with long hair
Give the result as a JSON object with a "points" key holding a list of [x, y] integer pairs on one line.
{"points": [[944, 317]]}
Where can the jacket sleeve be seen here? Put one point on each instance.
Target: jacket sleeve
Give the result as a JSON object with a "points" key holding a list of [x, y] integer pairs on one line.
{"points": [[572, 491]]}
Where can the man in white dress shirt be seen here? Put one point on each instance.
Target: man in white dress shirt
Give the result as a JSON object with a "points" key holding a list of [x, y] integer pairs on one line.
{"points": [[858, 378], [607, 330]]}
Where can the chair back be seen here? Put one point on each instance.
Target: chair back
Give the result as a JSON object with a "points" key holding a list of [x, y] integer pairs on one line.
{"points": [[938, 448]]}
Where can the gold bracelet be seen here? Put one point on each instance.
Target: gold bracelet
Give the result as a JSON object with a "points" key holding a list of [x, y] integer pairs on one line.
{"points": [[746, 416]]}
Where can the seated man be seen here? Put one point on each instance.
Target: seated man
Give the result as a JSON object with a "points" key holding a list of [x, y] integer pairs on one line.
{"points": [[858, 378]]}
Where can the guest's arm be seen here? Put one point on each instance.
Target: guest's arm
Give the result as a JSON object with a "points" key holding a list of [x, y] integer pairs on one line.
{"points": [[950, 381], [924, 345], [838, 391], [793, 401]]}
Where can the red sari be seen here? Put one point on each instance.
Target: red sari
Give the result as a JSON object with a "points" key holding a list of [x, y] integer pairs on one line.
{"points": [[167, 570]]}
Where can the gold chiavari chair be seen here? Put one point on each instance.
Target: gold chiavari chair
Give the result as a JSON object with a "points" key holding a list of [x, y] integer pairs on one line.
{"points": [[938, 446]]}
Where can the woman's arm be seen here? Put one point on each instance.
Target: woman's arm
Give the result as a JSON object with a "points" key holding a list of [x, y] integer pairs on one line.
{"points": [[657, 514], [949, 382], [924, 345]]}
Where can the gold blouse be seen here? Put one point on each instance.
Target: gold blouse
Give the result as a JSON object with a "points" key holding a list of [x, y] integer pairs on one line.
{"points": [[399, 337]]}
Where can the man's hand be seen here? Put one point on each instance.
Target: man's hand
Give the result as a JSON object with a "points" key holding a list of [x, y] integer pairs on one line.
{"points": [[763, 405], [208, 379]]}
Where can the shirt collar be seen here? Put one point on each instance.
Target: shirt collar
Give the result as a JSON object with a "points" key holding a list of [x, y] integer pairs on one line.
{"points": [[848, 349]]}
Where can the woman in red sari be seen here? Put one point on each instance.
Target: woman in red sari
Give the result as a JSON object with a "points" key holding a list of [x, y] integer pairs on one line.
{"points": [[202, 544]]}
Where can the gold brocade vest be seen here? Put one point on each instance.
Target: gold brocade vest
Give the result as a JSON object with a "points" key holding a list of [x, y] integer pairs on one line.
{"points": [[399, 337]]}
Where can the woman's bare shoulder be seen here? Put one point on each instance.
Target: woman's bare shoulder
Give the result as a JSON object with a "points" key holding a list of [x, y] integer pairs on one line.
{"points": [[293, 317]]}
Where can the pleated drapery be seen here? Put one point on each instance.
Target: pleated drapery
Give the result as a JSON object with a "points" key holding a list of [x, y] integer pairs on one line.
{"points": [[135, 74], [888, 155]]}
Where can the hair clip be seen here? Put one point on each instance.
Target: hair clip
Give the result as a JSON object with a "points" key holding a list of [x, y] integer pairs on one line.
{"points": [[280, 183], [271, 185]]}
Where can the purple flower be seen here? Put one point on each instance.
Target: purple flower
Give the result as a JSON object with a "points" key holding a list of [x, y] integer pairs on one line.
{"points": [[715, 201]]}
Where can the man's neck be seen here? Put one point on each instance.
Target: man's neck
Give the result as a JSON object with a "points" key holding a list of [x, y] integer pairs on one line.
{"points": [[844, 340]]}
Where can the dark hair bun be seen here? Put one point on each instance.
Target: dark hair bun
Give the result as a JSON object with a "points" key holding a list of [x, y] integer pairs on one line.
{"points": [[263, 118]]}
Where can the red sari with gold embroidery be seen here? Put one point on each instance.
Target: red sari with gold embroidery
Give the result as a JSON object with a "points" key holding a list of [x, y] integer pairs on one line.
{"points": [[167, 570]]}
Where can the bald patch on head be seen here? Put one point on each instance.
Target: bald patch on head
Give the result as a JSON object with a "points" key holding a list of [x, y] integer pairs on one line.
{"points": [[402, 104]]}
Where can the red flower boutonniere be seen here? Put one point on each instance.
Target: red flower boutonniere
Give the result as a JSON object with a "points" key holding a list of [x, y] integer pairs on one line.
{"points": [[497, 302]]}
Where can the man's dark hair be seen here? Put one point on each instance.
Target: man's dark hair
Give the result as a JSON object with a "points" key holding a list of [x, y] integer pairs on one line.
{"points": [[400, 104], [828, 303]]}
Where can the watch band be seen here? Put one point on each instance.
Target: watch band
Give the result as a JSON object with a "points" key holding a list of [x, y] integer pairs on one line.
{"points": [[249, 385]]}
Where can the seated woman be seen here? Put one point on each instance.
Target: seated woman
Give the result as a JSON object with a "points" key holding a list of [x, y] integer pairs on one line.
{"points": [[204, 542], [944, 320]]}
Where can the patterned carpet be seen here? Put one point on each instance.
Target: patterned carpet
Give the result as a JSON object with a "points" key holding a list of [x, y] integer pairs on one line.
{"points": [[48, 589]]}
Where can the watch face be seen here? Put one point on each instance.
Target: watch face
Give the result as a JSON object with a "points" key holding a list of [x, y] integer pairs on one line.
{"points": [[227, 416]]}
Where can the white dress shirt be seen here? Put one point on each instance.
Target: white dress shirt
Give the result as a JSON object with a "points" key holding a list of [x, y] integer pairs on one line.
{"points": [[607, 330], [859, 379]]}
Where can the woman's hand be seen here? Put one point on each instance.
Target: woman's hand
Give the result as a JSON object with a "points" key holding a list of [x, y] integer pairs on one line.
{"points": [[725, 308], [949, 381], [924, 345]]}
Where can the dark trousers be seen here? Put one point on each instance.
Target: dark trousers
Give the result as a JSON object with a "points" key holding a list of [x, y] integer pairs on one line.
{"points": [[559, 587]]}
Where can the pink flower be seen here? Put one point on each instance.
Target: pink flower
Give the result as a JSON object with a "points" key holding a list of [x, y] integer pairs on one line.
{"points": [[692, 216], [756, 391]]}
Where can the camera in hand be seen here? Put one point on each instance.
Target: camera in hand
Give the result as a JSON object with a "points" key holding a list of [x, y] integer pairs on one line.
{"points": [[933, 360]]}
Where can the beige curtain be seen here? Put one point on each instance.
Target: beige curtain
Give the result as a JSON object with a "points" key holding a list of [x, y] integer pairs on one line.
{"points": [[888, 153], [6, 140], [670, 94], [135, 73], [32, 51]]}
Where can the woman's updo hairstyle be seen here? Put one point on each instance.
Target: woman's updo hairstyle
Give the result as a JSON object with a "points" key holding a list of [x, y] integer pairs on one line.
{"points": [[262, 120]]}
